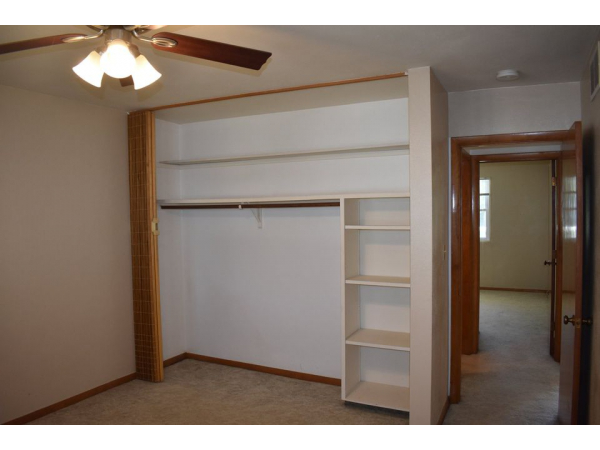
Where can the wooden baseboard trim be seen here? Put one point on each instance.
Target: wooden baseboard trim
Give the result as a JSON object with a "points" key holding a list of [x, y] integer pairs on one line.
{"points": [[71, 400], [444, 412], [537, 291], [169, 362], [270, 370], [174, 360]]}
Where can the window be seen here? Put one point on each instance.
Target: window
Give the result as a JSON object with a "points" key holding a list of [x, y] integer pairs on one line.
{"points": [[484, 209]]}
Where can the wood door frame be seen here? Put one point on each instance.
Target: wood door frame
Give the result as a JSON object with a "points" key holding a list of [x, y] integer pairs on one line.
{"points": [[464, 221]]}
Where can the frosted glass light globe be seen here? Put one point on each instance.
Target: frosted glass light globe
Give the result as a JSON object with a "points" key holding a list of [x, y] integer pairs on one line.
{"points": [[144, 74], [117, 61], [89, 69]]}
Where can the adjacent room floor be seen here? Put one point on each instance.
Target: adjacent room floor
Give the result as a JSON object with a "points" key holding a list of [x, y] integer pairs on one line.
{"points": [[513, 379], [196, 392]]}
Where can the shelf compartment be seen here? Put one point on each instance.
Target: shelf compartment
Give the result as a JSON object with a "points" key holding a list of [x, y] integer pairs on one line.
{"points": [[387, 150], [374, 280], [382, 395], [390, 340], [379, 227]]}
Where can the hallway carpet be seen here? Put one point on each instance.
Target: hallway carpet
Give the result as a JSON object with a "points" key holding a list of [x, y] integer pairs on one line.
{"points": [[201, 393], [513, 379]]}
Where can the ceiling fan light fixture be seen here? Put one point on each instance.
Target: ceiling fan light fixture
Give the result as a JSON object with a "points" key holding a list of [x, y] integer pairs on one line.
{"points": [[117, 61], [90, 70], [144, 74]]}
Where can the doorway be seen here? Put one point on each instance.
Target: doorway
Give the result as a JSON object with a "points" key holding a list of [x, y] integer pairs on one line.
{"points": [[572, 310], [465, 244], [509, 376]]}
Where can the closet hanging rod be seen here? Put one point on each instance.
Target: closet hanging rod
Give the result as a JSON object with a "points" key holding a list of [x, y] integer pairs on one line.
{"points": [[328, 204]]}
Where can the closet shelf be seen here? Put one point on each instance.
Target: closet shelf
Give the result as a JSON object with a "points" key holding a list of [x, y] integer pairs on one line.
{"points": [[390, 340], [379, 227], [329, 200], [387, 150], [382, 395], [374, 280]]}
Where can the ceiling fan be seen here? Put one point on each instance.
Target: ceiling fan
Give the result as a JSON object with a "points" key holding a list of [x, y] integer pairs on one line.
{"points": [[120, 58]]}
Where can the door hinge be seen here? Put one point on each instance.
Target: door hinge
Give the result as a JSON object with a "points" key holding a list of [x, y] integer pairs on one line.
{"points": [[553, 181]]}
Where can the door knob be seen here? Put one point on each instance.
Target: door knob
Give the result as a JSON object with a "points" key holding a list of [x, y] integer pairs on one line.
{"points": [[572, 320], [549, 263]]}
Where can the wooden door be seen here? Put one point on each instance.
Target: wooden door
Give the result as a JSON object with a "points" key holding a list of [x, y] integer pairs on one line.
{"points": [[570, 273]]}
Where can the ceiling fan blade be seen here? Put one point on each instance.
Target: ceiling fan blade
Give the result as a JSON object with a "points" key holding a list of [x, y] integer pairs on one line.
{"points": [[34, 43], [214, 51], [128, 81]]}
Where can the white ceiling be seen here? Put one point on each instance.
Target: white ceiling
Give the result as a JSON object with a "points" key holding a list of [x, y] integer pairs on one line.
{"points": [[464, 58]]}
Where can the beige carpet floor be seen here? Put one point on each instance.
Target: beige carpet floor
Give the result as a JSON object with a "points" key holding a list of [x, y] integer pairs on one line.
{"points": [[196, 392], [513, 379]]}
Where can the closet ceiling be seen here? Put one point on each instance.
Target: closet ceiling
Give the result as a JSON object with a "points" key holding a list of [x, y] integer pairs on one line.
{"points": [[464, 58]]}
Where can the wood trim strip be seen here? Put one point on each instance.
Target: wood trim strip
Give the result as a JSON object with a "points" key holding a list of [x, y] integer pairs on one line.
{"points": [[475, 253], [444, 412], [174, 360], [281, 90], [514, 138], [269, 370], [71, 400], [538, 291], [513, 157], [456, 272]]}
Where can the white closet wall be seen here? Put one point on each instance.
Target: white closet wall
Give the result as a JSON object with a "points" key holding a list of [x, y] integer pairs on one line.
{"points": [[267, 296], [348, 126], [170, 243]]}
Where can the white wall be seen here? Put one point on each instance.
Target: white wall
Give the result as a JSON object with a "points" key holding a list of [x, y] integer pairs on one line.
{"points": [[271, 296], [66, 314], [170, 243], [520, 109]]}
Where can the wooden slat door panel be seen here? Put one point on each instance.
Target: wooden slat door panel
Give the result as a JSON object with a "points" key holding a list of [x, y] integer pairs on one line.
{"points": [[144, 247]]}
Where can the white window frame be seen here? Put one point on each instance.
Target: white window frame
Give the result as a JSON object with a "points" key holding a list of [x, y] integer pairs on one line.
{"points": [[488, 216]]}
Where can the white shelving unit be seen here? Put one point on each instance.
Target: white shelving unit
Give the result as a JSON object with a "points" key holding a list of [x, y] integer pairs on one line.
{"points": [[382, 395], [379, 227], [375, 280], [375, 255], [392, 340]]}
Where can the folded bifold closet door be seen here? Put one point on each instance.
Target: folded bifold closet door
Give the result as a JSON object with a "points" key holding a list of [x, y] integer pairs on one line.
{"points": [[144, 247]]}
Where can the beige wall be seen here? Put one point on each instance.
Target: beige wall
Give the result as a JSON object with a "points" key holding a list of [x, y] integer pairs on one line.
{"points": [[521, 225], [66, 320], [591, 138]]}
